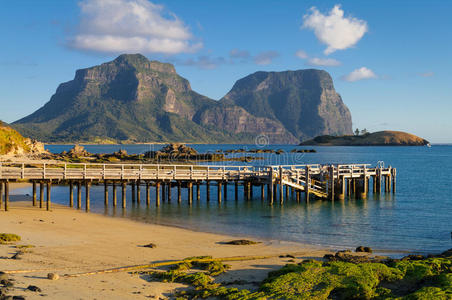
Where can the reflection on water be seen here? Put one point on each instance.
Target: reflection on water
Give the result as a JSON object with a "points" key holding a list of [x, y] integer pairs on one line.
{"points": [[416, 218]]}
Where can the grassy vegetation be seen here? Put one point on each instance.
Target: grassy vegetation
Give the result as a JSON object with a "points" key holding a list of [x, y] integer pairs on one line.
{"points": [[6, 238], [429, 278], [11, 140]]}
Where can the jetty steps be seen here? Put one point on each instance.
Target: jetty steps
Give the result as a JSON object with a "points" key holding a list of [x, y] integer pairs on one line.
{"points": [[315, 181]]}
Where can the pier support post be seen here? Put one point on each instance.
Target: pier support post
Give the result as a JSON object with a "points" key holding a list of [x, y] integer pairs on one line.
{"points": [[190, 192], [208, 190], [169, 192], [163, 191], [307, 186], [123, 193], [41, 194], [341, 194], [225, 190], [198, 191], [271, 193], [148, 192], [34, 194], [287, 193], [1, 194], [236, 190], [157, 193], [114, 194], [138, 192], [374, 184], [49, 186], [179, 196], [87, 199], [262, 192], [219, 191], [349, 187], [331, 182], [281, 186], [133, 191], [105, 193], [79, 195], [394, 174], [6, 195], [71, 194], [390, 179], [298, 196], [378, 181]]}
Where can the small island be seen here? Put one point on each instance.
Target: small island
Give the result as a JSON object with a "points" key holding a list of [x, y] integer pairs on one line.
{"points": [[380, 138]]}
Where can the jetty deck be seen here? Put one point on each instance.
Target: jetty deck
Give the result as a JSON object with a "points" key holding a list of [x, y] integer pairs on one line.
{"points": [[313, 180]]}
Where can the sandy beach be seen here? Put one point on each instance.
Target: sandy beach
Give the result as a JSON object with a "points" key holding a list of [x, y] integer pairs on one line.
{"points": [[67, 241]]}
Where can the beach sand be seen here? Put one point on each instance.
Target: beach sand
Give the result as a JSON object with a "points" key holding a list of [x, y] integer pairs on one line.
{"points": [[68, 241]]}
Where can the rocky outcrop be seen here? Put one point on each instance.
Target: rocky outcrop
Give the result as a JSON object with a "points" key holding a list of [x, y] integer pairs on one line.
{"points": [[13, 143], [380, 138]]}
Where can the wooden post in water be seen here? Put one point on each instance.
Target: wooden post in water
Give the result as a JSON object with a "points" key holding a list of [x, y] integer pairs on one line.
{"points": [[190, 192], [105, 193], [169, 192], [236, 190], [331, 182], [349, 187], [374, 184], [123, 193], [219, 191], [378, 180], [287, 193], [307, 186], [138, 192], [71, 193], [281, 186], [157, 193], [225, 190], [198, 191], [87, 199], [208, 190], [390, 179], [133, 191], [41, 194], [114, 194], [341, 194], [6, 195], [148, 194], [298, 196], [49, 185], [262, 192], [79, 195], [34, 194], [394, 174], [163, 191], [179, 196], [250, 190]]}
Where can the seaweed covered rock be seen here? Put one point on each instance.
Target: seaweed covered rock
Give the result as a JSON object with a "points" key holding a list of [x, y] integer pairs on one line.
{"points": [[78, 151]]}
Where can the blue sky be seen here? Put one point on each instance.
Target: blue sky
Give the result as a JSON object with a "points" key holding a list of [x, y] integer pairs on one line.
{"points": [[391, 64]]}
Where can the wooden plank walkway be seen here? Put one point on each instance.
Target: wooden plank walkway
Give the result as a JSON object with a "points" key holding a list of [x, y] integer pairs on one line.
{"points": [[319, 181]]}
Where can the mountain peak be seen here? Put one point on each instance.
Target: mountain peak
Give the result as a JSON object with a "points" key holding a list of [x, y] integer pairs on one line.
{"points": [[140, 62]]}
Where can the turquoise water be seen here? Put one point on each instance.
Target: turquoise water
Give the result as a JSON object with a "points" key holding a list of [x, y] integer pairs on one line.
{"points": [[418, 218]]}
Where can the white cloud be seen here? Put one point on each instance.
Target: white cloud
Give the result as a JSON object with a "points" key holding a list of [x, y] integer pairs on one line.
{"points": [[325, 62], [359, 74], [427, 74], [265, 58], [301, 54], [131, 26], [335, 30]]}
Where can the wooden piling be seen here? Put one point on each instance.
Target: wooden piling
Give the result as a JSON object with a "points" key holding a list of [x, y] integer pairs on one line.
{"points": [[236, 190], [87, 198], [114, 194], [133, 191], [41, 194], [281, 186], [394, 174], [271, 193], [34, 193], [331, 182], [225, 190], [307, 186], [6, 195], [148, 193], [163, 191], [262, 192], [71, 193], [349, 187], [378, 180], [79, 195], [219, 191], [287, 193], [169, 192], [49, 186], [157, 193], [198, 191], [208, 190], [298, 196], [250, 190], [105, 193], [123, 193], [138, 192], [179, 196], [341, 194], [190, 192]]}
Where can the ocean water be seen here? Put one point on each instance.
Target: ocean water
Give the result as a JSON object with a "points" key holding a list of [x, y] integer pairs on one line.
{"points": [[417, 218]]}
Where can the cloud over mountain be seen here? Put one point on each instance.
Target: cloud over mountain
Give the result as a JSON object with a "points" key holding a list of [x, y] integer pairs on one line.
{"points": [[334, 29], [131, 26], [359, 74]]}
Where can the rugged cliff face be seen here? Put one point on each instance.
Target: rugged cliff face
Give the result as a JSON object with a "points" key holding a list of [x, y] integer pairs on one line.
{"points": [[304, 101], [133, 99], [13, 143]]}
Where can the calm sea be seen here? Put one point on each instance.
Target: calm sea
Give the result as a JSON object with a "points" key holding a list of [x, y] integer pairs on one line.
{"points": [[418, 218]]}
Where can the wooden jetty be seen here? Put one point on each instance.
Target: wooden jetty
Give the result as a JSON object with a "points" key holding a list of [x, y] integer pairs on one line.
{"points": [[314, 181]]}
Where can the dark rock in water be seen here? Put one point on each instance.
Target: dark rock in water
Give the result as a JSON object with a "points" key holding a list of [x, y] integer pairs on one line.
{"points": [[6, 283], [150, 245], [241, 242], [363, 249], [78, 151], [33, 288]]}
